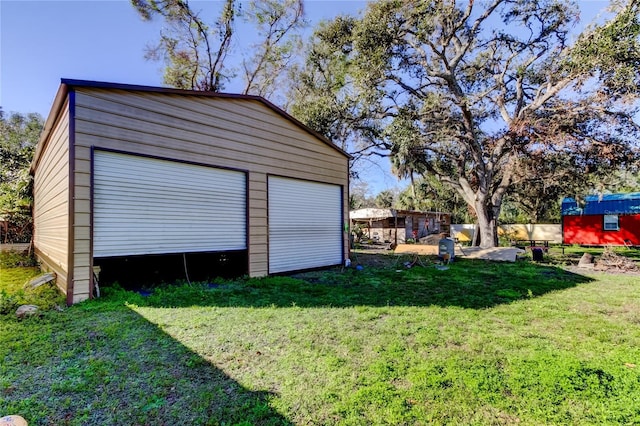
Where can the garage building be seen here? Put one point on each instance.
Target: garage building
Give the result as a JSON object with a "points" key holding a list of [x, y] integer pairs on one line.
{"points": [[150, 176]]}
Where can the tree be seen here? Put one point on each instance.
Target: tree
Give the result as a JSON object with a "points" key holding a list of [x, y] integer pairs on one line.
{"points": [[542, 181], [385, 199], [18, 137], [196, 52], [622, 181], [481, 88], [406, 153], [194, 58], [323, 95], [277, 22], [433, 195], [359, 195]]}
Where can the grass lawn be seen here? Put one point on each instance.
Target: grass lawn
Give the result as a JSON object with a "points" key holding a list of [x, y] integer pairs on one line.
{"points": [[478, 343], [12, 286]]}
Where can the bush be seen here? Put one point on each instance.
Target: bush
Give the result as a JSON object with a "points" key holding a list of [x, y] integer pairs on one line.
{"points": [[45, 297], [505, 239], [8, 302], [16, 259]]}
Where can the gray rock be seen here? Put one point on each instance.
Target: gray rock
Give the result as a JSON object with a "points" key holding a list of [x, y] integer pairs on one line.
{"points": [[586, 261], [27, 311]]}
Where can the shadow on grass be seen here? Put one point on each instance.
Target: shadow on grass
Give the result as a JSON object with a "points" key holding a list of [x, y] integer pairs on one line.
{"points": [[103, 363], [383, 280]]}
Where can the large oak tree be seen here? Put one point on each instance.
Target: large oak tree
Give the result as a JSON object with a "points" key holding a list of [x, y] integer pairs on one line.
{"points": [[477, 92]]}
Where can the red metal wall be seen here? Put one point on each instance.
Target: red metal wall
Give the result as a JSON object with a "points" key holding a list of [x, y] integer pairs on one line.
{"points": [[587, 230]]}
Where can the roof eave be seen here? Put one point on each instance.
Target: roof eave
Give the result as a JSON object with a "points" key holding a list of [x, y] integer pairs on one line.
{"points": [[141, 88], [57, 105]]}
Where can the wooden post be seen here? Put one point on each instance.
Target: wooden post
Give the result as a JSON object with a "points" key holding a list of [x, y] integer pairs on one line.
{"points": [[396, 228]]}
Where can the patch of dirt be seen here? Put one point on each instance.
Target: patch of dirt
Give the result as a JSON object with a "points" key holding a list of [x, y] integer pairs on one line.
{"points": [[610, 261], [381, 259], [606, 263], [370, 258]]}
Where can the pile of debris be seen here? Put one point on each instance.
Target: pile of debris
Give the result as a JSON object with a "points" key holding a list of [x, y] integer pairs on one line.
{"points": [[610, 261]]}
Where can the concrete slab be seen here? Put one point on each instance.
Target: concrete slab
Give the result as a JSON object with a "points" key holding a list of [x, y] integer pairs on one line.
{"points": [[504, 254]]}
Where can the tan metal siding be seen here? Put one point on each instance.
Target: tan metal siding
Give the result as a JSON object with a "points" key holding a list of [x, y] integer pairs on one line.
{"points": [[51, 265], [82, 224], [222, 118], [177, 132], [51, 201], [199, 147], [258, 249]]}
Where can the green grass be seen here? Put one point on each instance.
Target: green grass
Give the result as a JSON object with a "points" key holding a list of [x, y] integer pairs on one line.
{"points": [[479, 343], [13, 292]]}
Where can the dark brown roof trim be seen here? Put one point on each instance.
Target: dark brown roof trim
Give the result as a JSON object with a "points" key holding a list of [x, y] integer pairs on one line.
{"points": [[67, 85], [58, 103], [140, 88]]}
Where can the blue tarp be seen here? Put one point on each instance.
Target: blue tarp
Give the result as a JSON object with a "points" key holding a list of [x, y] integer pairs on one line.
{"points": [[628, 203]]}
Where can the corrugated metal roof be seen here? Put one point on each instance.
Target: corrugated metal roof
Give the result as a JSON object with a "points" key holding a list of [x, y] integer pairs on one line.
{"points": [[372, 213], [377, 213], [628, 203]]}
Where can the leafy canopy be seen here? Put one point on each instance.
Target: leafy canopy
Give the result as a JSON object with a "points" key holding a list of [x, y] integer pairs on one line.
{"points": [[18, 137], [477, 92], [197, 50]]}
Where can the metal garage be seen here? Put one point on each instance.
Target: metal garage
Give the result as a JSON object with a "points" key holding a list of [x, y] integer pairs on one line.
{"points": [[174, 184]]}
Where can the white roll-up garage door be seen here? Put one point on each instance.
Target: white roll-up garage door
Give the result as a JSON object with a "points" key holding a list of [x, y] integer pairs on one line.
{"points": [[305, 224], [149, 206]]}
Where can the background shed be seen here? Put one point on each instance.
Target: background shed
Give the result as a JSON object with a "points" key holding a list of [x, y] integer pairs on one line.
{"points": [[188, 181], [397, 226], [609, 219]]}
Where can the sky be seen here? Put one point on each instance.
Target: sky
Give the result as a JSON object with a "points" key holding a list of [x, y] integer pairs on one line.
{"points": [[44, 41]]}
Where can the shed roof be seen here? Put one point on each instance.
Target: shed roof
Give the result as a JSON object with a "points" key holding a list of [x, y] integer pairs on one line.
{"points": [[66, 85], [627, 203], [376, 213]]}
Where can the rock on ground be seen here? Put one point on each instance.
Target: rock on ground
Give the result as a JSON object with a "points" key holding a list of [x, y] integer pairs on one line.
{"points": [[27, 311]]}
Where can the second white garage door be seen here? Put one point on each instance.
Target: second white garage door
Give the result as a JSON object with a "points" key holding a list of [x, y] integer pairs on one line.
{"points": [[305, 224]]}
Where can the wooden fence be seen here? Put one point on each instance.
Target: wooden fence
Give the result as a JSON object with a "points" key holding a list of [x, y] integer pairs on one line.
{"points": [[21, 247], [538, 231]]}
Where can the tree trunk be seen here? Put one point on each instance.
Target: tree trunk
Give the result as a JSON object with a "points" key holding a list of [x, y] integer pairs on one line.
{"points": [[413, 188], [487, 225]]}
